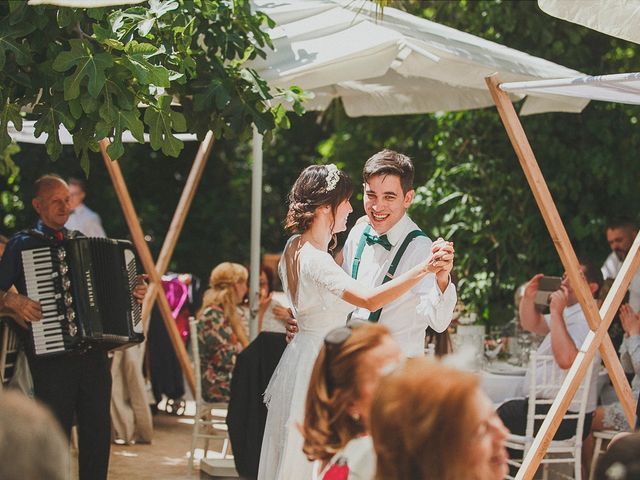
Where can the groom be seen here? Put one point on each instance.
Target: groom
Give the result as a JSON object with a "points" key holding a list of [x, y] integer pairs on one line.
{"points": [[387, 243]]}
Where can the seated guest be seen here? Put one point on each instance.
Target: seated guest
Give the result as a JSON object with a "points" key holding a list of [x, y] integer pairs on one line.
{"points": [[344, 377], [612, 417], [565, 329], [32, 444], [221, 334], [431, 422], [269, 319], [621, 460]]}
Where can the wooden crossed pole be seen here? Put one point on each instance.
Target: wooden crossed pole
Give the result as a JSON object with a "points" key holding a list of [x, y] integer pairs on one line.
{"points": [[175, 228], [599, 321], [155, 271]]}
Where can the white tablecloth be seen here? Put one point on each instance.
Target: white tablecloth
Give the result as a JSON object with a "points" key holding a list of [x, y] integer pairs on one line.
{"points": [[502, 386]]}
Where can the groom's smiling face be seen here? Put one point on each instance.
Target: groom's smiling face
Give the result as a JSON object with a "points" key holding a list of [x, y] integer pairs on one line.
{"points": [[384, 201]]}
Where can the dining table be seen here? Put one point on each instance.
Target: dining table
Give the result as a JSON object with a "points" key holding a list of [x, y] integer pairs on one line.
{"points": [[502, 381]]}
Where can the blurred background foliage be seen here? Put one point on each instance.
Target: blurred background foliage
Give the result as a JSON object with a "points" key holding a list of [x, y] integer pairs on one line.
{"points": [[470, 187]]}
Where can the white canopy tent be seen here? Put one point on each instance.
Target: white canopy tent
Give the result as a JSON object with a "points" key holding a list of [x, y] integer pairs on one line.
{"points": [[391, 62], [618, 18], [385, 63]]}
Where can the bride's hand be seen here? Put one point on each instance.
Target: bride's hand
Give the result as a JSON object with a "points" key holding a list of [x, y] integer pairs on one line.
{"points": [[441, 258]]}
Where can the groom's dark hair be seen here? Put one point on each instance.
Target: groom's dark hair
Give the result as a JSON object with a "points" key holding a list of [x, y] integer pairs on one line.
{"points": [[389, 162]]}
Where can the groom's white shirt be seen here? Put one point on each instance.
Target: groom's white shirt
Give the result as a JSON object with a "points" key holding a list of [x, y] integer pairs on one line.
{"points": [[424, 305]]}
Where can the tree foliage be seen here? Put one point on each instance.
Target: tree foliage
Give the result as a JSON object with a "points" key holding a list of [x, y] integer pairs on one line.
{"points": [[91, 69]]}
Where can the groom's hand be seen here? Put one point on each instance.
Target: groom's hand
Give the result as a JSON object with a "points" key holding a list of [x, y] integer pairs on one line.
{"points": [[440, 261], [285, 315]]}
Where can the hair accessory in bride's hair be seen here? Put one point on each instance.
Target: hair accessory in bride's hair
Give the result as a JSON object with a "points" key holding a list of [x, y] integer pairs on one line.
{"points": [[333, 175]]}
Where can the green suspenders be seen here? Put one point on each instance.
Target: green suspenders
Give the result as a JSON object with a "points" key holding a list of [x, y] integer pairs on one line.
{"points": [[375, 316]]}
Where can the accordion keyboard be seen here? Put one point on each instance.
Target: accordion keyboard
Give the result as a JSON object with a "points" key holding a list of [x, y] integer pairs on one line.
{"points": [[41, 280]]}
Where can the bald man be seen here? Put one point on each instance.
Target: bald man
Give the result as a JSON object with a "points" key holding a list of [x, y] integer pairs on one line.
{"points": [[73, 384]]}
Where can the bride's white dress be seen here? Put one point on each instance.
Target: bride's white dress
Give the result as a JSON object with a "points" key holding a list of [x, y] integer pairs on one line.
{"points": [[314, 284]]}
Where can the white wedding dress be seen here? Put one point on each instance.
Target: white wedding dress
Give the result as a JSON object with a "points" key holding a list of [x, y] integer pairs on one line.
{"points": [[314, 284]]}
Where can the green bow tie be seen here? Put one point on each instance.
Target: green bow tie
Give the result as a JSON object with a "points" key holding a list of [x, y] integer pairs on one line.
{"points": [[381, 240]]}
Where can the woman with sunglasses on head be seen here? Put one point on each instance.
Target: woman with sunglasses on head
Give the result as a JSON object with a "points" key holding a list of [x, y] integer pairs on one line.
{"points": [[321, 295], [336, 422], [432, 422]]}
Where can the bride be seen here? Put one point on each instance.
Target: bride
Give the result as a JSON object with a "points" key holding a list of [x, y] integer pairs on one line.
{"points": [[322, 295]]}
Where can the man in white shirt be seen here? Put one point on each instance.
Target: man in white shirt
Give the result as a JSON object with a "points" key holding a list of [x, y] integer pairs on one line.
{"points": [[374, 243], [82, 218], [620, 236], [565, 329]]}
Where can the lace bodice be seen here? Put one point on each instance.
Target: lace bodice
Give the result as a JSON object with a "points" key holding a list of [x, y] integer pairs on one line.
{"points": [[314, 284]]}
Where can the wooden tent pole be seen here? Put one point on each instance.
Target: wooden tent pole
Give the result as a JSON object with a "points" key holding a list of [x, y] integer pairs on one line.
{"points": [[579, 367], [569, 260], [147, 261], [183, 207]]}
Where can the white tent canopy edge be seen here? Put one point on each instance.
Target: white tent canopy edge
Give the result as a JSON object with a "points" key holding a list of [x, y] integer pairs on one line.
{"points": [[27, 135], [619, 87]]}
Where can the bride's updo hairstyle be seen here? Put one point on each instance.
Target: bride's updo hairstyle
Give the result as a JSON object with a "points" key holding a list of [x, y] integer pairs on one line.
{"points": [[316, 186]]}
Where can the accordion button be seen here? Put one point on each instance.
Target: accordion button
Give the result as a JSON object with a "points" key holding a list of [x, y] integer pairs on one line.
{"points": [[61, 254], [66, 283], [71, 315], [64, 268], [73, 329], [68, 299]]}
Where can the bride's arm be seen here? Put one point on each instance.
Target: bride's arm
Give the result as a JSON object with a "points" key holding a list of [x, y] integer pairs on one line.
{"points": [[374, 298]]}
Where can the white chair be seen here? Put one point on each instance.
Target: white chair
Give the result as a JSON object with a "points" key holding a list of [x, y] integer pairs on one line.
{"points": [[8, 353], [600, 438], [206, 424], [559, 451]]}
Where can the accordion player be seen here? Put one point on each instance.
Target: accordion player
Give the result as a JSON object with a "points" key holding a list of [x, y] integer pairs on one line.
{"points": [[84, 286]]}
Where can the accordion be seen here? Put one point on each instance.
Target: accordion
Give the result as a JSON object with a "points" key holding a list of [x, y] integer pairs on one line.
{"points": [[84, 286]]}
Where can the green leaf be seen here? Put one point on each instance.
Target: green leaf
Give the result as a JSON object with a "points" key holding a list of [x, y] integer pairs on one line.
{"points": [[49, 119], [147, 73], [161, 121], [10, 43], [129, 120], [87, 64], [10, 113]]}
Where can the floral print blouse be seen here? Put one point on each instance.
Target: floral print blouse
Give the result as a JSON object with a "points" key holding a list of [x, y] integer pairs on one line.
{"points": [[218, 346]]}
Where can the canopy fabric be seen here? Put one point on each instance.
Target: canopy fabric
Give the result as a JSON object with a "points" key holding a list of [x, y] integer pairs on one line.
{"points": [[392, 62], [27, 135], [621, 87], [619, 18]]}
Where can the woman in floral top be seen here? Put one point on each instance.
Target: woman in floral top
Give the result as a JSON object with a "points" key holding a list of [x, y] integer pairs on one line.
{"points": [[221, 334]]}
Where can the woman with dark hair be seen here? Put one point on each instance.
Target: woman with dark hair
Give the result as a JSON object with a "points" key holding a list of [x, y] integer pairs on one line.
{"points": [[268, 321], [321, 296], [336, 422]]}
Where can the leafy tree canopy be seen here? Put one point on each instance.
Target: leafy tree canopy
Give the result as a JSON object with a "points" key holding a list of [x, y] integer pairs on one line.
{"points": [[91, 69]]}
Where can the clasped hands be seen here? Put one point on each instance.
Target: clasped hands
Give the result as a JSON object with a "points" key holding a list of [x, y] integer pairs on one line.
{"points": [[440, 261]]}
